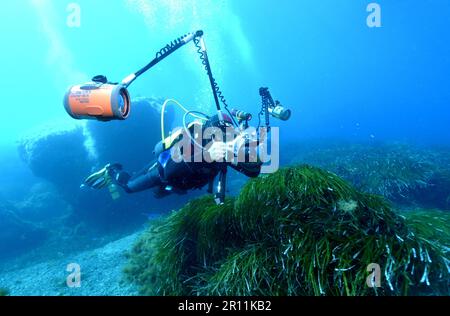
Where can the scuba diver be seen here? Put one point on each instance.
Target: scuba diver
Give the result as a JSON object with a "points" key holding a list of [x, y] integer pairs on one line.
{"points": [[167, 175], [228, 143]]}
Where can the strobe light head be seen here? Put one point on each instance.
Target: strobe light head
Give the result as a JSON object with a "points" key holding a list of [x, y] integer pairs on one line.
{"points": [[280, 112], [98, 100]]}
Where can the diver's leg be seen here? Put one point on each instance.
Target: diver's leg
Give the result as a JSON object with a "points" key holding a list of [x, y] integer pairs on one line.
{"points": [[145, 179]]}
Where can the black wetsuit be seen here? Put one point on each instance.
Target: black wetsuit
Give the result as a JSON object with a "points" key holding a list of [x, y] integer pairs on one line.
{"points": [[167, 176]]}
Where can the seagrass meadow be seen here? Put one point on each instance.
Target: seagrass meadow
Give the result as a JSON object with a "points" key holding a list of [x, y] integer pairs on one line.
{"points": [[4, 292], [300, 231], [405, 174]]}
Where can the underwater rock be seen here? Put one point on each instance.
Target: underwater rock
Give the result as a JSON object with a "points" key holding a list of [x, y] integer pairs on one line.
{"points": [[300, 231], [130, 142], [66, 156], [42, 204], [59, 156], [16, 234]]}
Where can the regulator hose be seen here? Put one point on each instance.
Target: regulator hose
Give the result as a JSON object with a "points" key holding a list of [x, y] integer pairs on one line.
{"points": [[218, 94], [192, 113], [200, 115]]}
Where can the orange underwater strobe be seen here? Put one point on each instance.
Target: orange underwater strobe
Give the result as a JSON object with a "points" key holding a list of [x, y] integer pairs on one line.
{"points": [[106, 101], [97, 100]]}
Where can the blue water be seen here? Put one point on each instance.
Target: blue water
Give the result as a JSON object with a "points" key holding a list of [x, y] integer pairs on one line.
{"points": [[341, 78]]}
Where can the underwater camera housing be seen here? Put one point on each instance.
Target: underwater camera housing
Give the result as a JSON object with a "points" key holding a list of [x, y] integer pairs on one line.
{"points": [[99, 99]]}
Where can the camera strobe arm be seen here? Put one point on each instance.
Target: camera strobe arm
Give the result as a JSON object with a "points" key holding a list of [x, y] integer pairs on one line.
{"points": [[170, 48], [267, 101], [162, 54]]}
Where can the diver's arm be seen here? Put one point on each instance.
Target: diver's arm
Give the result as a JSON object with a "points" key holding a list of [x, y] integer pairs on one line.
{"points": [[250, 169]]}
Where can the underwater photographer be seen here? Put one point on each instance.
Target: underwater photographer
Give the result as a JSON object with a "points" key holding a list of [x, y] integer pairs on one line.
{"points": [[207, 146], [187, 163]]}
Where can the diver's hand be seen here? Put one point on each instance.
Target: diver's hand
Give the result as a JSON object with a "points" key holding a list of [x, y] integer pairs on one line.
{"points": [[218, 151]]}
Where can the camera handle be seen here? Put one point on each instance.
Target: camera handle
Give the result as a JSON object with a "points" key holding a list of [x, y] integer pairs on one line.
{"points": [[219, 197]]}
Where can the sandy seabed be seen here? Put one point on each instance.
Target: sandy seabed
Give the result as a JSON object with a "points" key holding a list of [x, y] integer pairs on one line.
{"points": [[100, 274]]}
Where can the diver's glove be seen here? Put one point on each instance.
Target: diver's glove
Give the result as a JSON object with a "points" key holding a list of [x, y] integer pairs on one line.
{"points": [[217, 151], [102, 178]]}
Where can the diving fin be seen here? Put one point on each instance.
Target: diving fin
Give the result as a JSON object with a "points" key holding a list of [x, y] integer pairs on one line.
{"points": [[102, 179], [99, 179]]}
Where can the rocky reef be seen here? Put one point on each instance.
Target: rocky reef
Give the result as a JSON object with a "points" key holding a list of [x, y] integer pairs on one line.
{"points": [[406, 175], [59, 156], [300, 231], [42, 204], [64, 157], [16, 234]]}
